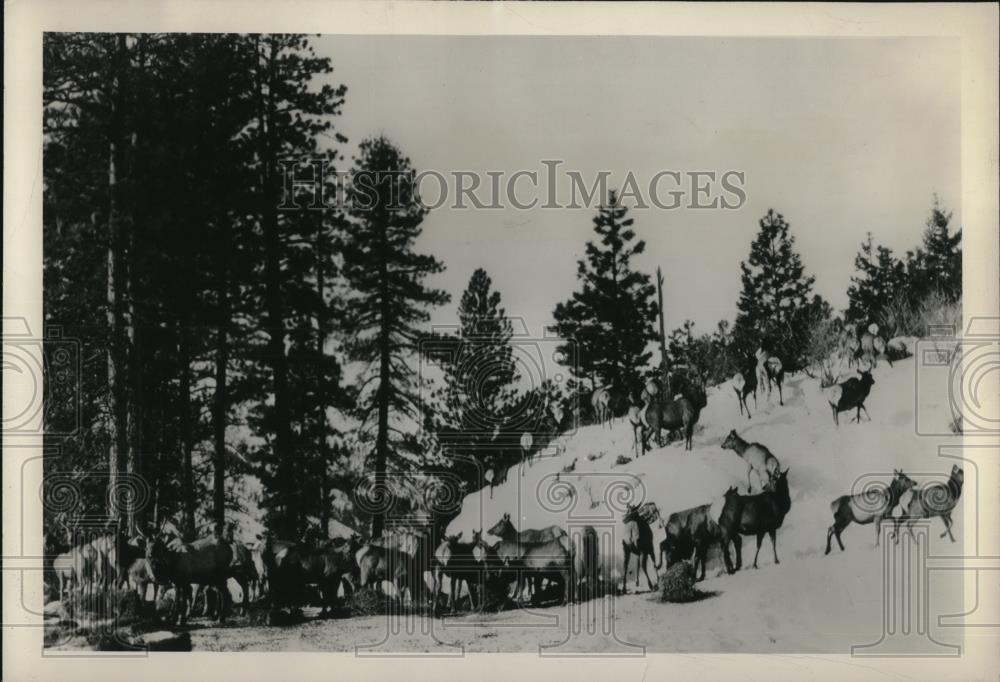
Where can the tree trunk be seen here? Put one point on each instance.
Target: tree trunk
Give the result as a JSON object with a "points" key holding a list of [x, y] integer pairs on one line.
{"points": [[286, 459], [116, 295], [220, 403], [382, 439], [321, 422], [187, 429]]}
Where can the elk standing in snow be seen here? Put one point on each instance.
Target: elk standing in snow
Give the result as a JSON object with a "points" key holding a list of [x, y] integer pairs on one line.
{"points": [[866, 507], [936, 499], [850, 394]]}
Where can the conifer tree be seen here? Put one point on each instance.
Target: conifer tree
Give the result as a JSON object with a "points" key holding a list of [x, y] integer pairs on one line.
{"points": [[878, 281], [777, 308], [937, 265], [389, 304], [610, 319]]}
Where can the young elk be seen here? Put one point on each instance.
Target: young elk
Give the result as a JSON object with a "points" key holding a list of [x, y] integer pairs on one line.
{"points": [[936, 499], [850, 394], [870, 506], [758, 458]]}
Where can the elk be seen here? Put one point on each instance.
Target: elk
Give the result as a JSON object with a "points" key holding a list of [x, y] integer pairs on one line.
{"points": [[205, 562], [600, 400], [745, 383], [459, 561], [870, 506], [638, 540], [63, 567], [537, 553], [637, 422], [676, 414], [850, 394], [770, 371], [691, 531], [935, 499], [760, 514], [758, 458]]}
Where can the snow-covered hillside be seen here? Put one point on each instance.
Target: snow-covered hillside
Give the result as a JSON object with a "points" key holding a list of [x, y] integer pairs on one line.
{"points": [[824, 461]]}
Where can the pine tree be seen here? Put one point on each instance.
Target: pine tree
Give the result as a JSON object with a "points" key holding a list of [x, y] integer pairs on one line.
{"points": [[937, 265], [389, 302], [776, 305], [480, 374], [610, 319], [879, 279]]}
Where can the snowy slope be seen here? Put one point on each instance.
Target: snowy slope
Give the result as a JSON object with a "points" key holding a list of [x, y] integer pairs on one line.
{"points": [[824, 461]]}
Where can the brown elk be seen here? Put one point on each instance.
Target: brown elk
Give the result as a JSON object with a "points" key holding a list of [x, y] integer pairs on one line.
{"points": [[638, 541], [871, 506], [760, 515], [935, 499]]}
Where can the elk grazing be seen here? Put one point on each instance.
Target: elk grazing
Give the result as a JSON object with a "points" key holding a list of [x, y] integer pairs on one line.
{"points": [[535, 554], [691, 531], [638, 541], [935, 499], [745, 383], [870, 506], [760, 514], [676, 414], [849, 395], [759, 459]]}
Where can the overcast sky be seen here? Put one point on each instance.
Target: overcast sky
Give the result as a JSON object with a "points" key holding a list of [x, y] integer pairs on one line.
{"points": [[842, 136]]}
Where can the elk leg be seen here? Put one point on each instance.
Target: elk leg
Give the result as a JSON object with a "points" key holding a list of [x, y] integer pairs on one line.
{"points": [[774, 544], [760, 539], [738, 546], [645, 569], [625, 573], [781, 397], [829, 535], [862, 407]]}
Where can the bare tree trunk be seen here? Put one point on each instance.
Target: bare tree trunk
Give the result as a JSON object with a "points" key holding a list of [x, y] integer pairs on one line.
{"points": [[321, 421], [220, 403], [186, 427], [287, 460]]}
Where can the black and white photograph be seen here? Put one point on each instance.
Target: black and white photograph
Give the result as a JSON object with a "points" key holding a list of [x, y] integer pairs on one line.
{"points": [[402, 344]]}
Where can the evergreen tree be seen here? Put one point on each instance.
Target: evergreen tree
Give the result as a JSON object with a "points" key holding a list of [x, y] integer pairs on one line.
{"points": [[879, 279], [937, 265], [480, 372], [610, 319], [388, 304], [776, 307]]}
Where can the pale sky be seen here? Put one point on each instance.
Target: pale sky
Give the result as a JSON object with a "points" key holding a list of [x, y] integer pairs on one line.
{"points": [[842, 136]]}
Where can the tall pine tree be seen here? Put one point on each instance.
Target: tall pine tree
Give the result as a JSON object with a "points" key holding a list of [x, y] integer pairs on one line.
{"points": [[610, 319], [388, 305], [937, 265], [777, 308]]}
